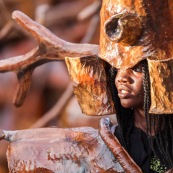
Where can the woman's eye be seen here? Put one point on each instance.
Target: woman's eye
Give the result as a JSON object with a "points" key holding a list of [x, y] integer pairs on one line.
{"points": [[116, 69], [137, 68]]}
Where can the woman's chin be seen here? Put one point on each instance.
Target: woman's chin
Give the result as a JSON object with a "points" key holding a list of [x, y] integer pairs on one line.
{"points": [[126, 104], [131, 104]]}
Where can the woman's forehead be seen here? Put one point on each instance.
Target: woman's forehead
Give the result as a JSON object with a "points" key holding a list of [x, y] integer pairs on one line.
{"points": [[137, 65]]}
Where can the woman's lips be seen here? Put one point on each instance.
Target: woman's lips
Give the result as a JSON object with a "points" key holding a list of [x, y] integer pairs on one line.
{"points": [[124, 93]]}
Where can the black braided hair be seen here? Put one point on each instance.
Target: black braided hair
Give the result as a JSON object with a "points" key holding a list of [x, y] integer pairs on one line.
{"points": [[124, 116], [162, 126]]}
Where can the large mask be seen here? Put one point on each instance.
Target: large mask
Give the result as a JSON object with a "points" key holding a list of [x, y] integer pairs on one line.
{"points": [[130, 32]]}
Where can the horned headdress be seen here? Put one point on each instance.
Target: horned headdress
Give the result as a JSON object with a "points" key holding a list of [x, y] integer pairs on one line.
{"points": [[130, 32]]}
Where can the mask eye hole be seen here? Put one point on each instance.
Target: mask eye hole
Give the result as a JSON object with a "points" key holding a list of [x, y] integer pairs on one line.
{"points": [[112, 28], [123, 28]]}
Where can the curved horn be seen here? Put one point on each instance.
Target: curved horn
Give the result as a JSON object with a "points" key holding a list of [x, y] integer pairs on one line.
{"points": [[123, 28], [50, 48], [57, 46]]}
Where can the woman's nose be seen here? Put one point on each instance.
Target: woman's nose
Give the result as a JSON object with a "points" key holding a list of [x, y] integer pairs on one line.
{"points": [[123, 76]]}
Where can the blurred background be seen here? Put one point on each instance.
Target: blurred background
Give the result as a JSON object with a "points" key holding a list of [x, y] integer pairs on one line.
{"points": [[50, 101]]}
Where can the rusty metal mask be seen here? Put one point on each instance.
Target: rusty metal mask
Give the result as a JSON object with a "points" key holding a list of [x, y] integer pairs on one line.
{"points": [[141, 29]]}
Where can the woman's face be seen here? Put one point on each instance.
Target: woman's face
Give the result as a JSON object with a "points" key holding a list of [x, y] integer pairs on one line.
{"points": [[129, 84]]}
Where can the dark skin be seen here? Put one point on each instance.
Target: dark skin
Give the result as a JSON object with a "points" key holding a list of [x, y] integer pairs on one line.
{"points": [[129, 83]]}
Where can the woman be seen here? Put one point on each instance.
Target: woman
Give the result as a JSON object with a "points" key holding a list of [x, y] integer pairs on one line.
{"points": [[136, 40], [146, 137], [134, 34]]}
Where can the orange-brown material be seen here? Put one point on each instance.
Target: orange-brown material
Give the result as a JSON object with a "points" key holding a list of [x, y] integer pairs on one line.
{"points": [[59, 150], [91, 85], [155, 40], [135, 30], [161, 79], [118, 151], [131, 31]]}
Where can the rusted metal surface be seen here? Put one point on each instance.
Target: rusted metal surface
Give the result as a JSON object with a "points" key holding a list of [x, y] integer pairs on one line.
{"points": [[59, 150], [135, 30], [112, 47], [91, 85], [154, 18]]}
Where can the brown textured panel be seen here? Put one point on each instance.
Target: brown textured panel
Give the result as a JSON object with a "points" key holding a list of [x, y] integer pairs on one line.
{"points": [[91, 85], [37, 170], [74, 150], [161, 79]]}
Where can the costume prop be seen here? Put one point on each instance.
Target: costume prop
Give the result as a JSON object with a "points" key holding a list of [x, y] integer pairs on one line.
{"points": [[85, 144], [131, 31]]}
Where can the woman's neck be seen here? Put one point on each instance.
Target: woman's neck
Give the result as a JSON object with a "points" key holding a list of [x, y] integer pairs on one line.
{"points": [[140, 121]]}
